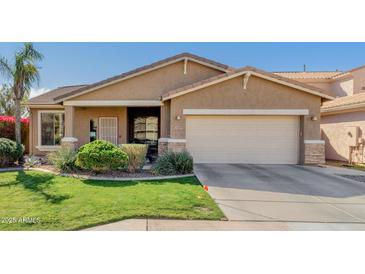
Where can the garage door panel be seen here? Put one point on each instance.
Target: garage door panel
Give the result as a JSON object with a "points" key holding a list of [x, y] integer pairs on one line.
{"points": [[243, 139]]}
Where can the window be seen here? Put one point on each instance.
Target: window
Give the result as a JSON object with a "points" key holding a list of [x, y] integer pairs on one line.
{"points": [[93, 130], [146, 129], [52, 128]]}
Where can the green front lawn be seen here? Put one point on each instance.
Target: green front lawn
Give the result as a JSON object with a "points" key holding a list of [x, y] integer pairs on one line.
{"points": [[63, 203]]}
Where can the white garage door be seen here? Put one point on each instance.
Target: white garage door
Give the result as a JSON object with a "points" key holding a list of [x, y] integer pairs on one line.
{"points": [[243, 139]]}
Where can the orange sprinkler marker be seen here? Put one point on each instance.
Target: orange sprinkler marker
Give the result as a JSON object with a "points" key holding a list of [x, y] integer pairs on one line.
{"points": [[205, 187]]}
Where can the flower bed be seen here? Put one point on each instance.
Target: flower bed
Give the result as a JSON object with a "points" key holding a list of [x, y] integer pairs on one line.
{"points": [[103, 159], [107, 173]]}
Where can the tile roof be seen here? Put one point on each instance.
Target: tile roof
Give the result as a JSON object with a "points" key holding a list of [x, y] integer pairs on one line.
{"points": [[48, 97], [141, 69], [57, 95], [237, 71], [309, 74], [347, 101]]}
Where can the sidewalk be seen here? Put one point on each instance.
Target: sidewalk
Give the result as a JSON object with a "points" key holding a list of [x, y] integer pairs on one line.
{"points": [[197, 225]]}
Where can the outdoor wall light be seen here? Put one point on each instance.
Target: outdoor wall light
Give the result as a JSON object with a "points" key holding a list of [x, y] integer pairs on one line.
{"points": [[314, 118], [178, 117]]}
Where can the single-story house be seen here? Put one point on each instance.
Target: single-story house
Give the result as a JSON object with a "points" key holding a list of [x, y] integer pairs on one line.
{"points": [[342, 119], [218, 113]]}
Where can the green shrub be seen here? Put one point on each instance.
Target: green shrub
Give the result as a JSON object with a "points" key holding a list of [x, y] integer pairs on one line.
{"points": [[101, 155], [136, 155], [9, 152], [173, 163], [63, 159]]}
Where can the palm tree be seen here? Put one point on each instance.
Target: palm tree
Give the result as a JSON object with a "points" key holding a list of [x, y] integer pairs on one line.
{"points": [[22, 73]]}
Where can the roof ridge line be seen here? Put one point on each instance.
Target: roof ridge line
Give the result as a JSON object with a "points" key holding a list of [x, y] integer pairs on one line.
{"points": [[69, 86], [311, 71]]}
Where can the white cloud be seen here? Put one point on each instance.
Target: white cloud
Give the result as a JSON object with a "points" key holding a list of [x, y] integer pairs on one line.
{"points": [[35, 92]]}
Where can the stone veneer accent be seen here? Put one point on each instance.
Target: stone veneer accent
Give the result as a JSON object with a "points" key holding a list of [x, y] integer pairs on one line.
{"points": [[167, 144], [314, 153], [162, 147]]}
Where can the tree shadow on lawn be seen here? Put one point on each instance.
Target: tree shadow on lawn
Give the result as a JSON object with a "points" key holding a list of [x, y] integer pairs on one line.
{"points": [[105, 183], [39, 183]]}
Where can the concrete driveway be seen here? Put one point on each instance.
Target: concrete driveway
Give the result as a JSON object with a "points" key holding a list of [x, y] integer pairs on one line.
{"points": [[289, 193]]}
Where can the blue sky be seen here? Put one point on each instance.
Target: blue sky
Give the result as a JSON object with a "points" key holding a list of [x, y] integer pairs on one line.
{"points": [[79, 63]]}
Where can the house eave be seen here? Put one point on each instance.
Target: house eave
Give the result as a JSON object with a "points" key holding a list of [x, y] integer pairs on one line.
{"points": [[342, 109], [54, 106], [111, 103]]}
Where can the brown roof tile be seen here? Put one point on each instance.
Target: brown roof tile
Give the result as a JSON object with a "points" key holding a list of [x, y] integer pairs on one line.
{"points": [[308, 74], [48, 97]]}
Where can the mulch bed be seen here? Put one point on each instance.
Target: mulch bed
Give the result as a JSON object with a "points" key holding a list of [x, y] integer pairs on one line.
{"points": [[109, 173]]}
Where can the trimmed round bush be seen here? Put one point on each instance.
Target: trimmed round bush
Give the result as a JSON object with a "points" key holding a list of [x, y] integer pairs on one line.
{"points": [[9, 152], [101, 155], [174, 163]]}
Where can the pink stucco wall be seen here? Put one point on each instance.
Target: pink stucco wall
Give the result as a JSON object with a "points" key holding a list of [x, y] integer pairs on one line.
{"points": [[336, 131]]}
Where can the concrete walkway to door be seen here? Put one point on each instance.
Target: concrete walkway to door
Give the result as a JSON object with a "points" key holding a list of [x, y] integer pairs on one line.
{"points": [[286, 193]]}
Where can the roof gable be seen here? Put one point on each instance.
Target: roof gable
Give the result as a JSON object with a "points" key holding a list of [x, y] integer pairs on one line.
{"points": [[142, 70], [248, 71], [152, 85]]}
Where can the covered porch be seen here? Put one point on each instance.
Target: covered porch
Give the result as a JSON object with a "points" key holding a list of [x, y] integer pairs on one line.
{"points": [[116, 122], [79, 122]]}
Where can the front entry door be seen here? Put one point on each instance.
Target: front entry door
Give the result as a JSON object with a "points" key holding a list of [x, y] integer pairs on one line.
{"points": [[108, 129], [144, 128]]}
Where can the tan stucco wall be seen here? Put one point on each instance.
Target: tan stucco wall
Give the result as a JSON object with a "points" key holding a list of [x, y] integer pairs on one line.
{"points": [[83, 116], [260, 94], [82, 124], [359, 80], [151, 85], [33, 131], [323, 84], [335, 130], [335, 88], [165, 120], [342, 87]]}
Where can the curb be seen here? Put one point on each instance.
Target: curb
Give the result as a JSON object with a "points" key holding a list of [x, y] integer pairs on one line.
{"points": [[11, 169], [86, 177]]}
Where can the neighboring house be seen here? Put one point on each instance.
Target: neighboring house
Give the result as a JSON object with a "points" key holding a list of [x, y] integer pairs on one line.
{"points": [[343, 119], [218, 113]]}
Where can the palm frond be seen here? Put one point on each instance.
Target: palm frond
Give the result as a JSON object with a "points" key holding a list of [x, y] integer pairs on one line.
{"points": [[24, 72], [30, 53], [31, 75], [5, 68]]}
